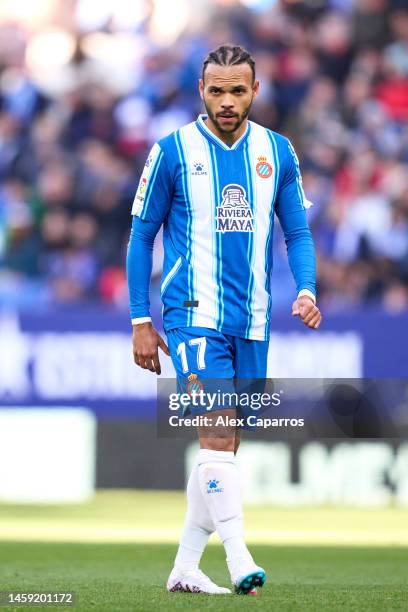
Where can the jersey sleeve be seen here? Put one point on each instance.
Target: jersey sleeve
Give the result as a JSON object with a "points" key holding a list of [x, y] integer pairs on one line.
{"points": [[291, 212], [291, 197], [139, 263], [150, 207], [154, 193]]}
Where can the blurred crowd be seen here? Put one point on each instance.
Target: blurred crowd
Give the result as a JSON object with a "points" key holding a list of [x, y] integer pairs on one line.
{"points": [[82, 101]]}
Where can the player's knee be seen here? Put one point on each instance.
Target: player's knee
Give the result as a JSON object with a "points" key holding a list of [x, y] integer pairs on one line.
{"points": [[218, 444]]}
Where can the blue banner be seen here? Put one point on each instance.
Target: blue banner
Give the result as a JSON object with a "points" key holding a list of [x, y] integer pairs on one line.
{"points": [[83, 356]]}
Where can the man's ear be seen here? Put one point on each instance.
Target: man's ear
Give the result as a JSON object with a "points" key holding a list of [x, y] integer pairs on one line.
{"points": [[255, 88], [201, 88]]}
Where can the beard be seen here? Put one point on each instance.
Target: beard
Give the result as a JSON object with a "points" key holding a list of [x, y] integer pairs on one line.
{"points": [[240, 118]]}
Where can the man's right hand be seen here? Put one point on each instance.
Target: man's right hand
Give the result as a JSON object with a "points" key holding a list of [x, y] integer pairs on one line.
{"points": [[146, 342]]}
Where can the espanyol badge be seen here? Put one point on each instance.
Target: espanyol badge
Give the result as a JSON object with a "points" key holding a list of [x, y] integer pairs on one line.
{"points": [[194, 384], [263, 167]]}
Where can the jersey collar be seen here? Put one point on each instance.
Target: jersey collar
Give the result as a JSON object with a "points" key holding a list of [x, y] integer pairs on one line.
{"points": [[211, 136]]}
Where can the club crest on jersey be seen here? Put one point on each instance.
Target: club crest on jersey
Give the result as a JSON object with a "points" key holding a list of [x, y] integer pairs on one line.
{"points": [[234, 213], [198, 169], [263, 167]]}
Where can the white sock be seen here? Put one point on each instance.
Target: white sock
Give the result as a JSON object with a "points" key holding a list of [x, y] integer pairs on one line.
{"points": [[197, 528], [221, 488]]}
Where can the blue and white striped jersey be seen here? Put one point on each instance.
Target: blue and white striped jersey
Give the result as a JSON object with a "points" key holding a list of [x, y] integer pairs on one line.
{"points": [[217, 206]]}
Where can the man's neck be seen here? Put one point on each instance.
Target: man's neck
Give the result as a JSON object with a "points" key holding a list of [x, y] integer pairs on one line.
{"points": [[227, 137]]}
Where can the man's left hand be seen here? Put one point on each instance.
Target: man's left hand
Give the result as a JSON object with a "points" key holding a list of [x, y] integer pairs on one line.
{"points": [[306, 309]]}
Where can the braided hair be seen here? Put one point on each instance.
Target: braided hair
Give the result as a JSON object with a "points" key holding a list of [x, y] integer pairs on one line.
{"points": [[229, 55]]}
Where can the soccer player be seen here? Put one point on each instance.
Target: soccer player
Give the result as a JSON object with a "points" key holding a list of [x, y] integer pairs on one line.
{"points": [[215, 185]]}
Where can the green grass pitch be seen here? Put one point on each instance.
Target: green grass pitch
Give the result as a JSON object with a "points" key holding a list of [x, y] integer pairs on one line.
{"points": [[91, 549], [122, 577]]}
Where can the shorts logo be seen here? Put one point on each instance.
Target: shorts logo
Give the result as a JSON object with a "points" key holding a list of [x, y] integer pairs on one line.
{"points": [[149, 161], [234, 213], [199, 169], [194, 384], [263, 167], [213, 486]]}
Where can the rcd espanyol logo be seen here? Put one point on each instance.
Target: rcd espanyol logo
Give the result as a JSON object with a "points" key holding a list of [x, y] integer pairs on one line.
{"points": [[234, 213], [263, 167], [194, 384]]}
